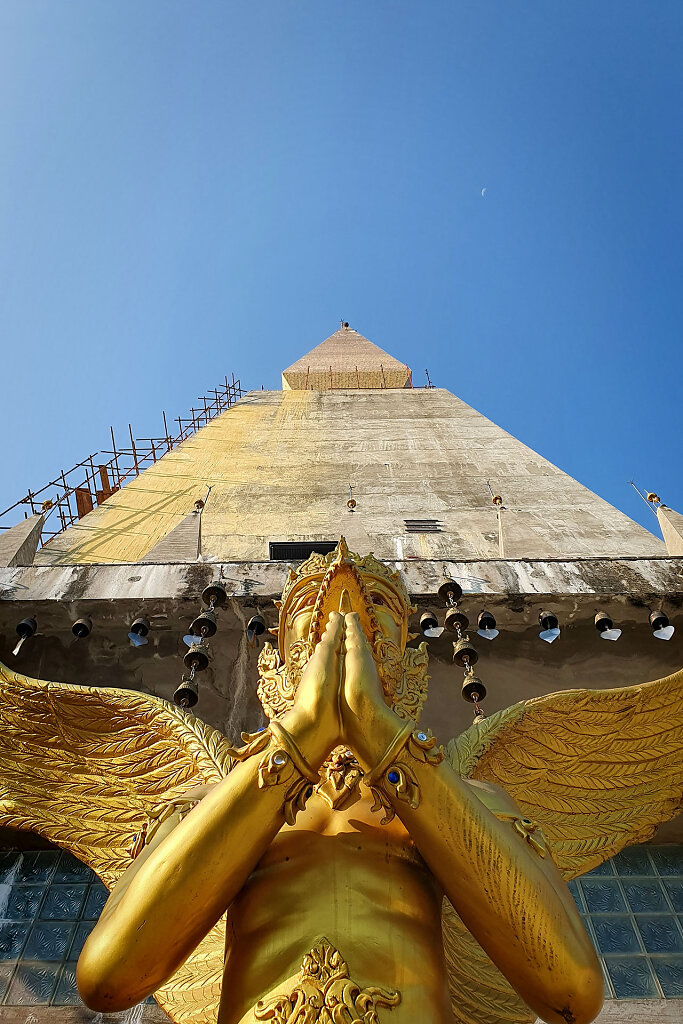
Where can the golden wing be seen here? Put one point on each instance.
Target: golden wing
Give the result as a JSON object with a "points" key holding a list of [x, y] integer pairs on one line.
{"points": [[86, 768], [479, 992], [597, 770]]}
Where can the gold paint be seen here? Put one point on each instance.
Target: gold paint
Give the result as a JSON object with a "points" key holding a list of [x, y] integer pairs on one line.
{"points": [[453, 893], [326, 994]]}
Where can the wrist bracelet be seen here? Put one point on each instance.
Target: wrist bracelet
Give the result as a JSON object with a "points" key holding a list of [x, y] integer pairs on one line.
{"points": [[282, 764], [390, 776]]}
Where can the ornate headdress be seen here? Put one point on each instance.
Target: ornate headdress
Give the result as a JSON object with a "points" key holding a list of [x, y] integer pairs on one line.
{"points": [[316, 588]]}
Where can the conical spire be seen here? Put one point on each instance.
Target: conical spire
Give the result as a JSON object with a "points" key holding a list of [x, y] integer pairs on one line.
{"points": [[346, 360]]}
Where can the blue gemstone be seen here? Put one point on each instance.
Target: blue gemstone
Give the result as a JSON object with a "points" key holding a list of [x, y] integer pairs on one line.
{"points": [[393, 777], [309, 791]]}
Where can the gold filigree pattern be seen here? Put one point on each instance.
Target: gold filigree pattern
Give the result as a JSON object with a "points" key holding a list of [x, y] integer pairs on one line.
{"points": [[317, 565], [282, 764], [326, 994], [420, 744], [340, 785]]}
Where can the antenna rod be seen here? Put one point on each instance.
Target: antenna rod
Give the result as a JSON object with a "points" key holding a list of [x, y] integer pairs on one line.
{"points": [[643, 497]]}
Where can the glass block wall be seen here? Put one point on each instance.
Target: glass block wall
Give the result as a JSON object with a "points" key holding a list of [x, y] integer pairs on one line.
{"points": [[632, 906], [49, 901]]}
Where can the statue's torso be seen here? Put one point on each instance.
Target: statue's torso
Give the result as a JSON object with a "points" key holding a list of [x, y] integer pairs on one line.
{"points": [[342, 877]]}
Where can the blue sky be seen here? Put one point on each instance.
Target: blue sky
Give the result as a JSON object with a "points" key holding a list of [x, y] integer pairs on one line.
{"points": [[189, 189]]}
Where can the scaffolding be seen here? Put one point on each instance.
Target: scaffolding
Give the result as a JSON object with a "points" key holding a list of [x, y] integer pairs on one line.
{"points": [[75, 492]]}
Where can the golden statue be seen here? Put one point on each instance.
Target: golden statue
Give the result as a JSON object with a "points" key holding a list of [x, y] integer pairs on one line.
{"points": [[340, 866]]}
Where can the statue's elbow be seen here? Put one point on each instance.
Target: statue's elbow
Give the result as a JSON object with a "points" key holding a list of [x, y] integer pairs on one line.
{"points": [[580, 1002], [99, 979]]}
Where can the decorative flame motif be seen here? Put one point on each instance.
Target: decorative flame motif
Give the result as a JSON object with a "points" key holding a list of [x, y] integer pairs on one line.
{"points": [[326, 994]]}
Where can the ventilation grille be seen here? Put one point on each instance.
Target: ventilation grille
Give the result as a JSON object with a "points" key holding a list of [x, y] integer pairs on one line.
{"points": [[422, 525], [297, 551]]}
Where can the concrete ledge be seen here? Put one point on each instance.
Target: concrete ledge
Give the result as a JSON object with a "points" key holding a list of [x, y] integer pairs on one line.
{"points": [[640, 1011], [633, 577]]}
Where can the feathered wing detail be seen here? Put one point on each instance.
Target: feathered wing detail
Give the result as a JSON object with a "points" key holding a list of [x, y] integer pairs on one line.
{"points": [[479, 992], [86, 768], [598, 770]]}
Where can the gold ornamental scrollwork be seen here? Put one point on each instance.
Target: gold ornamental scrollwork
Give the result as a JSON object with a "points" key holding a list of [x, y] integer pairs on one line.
{"points": [[325, 994]]}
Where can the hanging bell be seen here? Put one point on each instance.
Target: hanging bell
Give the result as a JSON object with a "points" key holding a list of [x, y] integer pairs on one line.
{"points": [[186, 696], [255, 627], [204, 624], [450, 592], [25, 629], [465, 653], [473, 690], [456, 621], [197, 654], [82, 628], [214, 595]]}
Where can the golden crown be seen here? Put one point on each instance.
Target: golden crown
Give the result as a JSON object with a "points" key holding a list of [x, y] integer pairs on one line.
{"points": [[367, 565]]}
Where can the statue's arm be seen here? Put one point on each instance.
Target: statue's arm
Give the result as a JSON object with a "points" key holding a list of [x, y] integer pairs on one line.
{"points": [[509, 895], [184, 882]]}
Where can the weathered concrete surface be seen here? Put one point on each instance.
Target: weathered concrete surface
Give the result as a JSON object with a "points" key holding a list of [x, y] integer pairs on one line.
{"points": [[637, 577], [182, 544], [19, 544], [640, 1011], [280, 464]]}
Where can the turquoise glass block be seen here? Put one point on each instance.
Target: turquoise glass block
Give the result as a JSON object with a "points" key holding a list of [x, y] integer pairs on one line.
{"points": [[49, 940], [12, 938], [97, 897], [24, 901], [6, 971], [633, 861], [631, 977], [71, 869], [602, 895], [669, 970], [660, 933], [81, 933], [8, 866], [66, 993], [668, 859], [645, 894], [63, 902], [36, 866], [575, 890], [32, 984], [674, 889], [602, 869], [615, 934]]}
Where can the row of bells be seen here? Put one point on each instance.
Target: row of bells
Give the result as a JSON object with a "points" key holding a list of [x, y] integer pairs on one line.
{"points": [[196, 658]]}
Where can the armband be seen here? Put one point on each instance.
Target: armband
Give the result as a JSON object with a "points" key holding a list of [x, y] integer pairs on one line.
{"points": [[393, 776], [282, 764]]}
